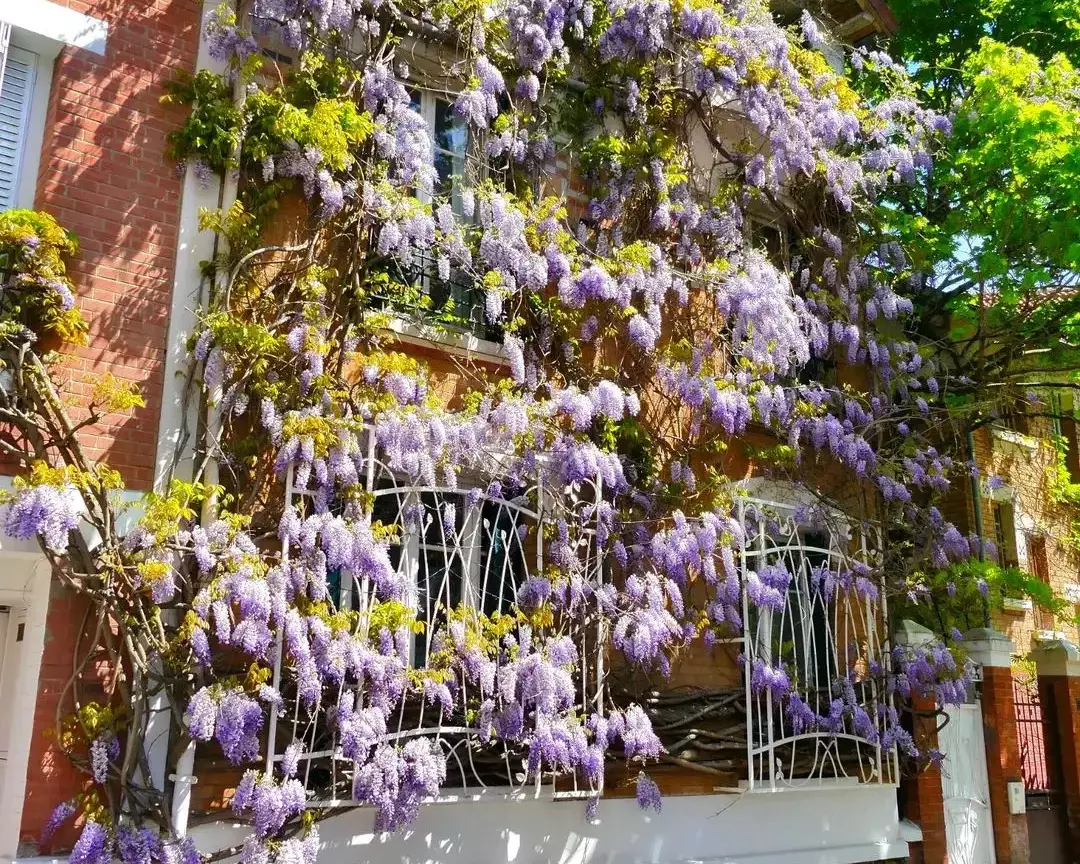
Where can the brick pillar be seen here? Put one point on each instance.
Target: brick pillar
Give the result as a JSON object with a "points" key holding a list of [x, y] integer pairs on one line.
{"points": [[923, 803], [993, 651], [1058, 665]]}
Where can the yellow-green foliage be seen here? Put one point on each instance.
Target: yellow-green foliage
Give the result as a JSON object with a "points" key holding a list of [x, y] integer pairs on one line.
{"points": [[42, 474], [164, 513], [115, 396], [33, 272]]}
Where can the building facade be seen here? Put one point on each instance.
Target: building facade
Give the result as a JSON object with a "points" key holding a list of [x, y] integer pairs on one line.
{"points": [[82, 136]]}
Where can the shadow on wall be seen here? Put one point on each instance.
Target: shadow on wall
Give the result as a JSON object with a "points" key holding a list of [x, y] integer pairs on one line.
{"points": [[104, 174]]}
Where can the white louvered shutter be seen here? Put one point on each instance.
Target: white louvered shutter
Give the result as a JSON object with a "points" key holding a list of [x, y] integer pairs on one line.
{"points": [[16, 88]]}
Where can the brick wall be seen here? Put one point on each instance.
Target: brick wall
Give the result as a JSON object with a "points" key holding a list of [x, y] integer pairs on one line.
{"points": [[1025, 470], [104, 175], [921, 793], [1002, 763], [51, 777]]}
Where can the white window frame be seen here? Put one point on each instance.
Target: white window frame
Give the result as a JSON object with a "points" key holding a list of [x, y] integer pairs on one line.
{"points": [[1017, 527], [408, 330], [31, 128], [42, 28], [40, 51]]}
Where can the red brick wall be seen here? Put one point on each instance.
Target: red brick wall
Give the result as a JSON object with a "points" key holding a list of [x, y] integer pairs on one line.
{"points": [[921, 794], [105, 176], [1002, 763], [51, 777], [1025, 470]]}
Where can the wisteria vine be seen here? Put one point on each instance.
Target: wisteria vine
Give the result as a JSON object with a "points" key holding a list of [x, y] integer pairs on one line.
{"points": [[668, 213]]}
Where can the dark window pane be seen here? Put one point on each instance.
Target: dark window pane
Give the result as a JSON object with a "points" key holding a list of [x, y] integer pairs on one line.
{"points": [[502, 562], [450, 133], [439, 588]]}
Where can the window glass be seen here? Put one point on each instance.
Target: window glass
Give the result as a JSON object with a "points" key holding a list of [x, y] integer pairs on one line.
{"points": [[451, 144], [502, 557], [1005, 531]]}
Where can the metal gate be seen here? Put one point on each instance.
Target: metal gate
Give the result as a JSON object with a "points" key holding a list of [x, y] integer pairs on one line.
{"points": [[965, 787], [1046, 827]]}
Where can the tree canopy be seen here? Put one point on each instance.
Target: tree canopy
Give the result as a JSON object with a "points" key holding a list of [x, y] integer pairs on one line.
{"points": [[993, 225]]}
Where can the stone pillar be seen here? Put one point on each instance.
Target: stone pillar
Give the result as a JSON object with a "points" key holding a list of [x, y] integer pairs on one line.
{"points": [[923, 802], [1058, 665], [993, 651]]}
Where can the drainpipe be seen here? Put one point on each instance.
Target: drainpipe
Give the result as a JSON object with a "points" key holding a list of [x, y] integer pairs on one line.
{"points": [[184, 775], [976, 503], [183, 780]]}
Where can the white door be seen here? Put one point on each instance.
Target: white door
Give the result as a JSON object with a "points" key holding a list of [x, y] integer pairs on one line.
{"points": [[6, 675], [965, 787]]}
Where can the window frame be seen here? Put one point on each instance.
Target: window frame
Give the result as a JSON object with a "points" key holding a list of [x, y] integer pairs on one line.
{"points": [[38, 52], [473, 337], [468, 545], [1005, 532]]}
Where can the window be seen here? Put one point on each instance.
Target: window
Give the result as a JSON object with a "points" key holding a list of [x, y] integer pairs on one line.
{"points": [[1014, 419], [773, 239], [820, 370], [1005, 533], [456, 302], [1040, 569], [18, 70], [770, 239], [798, 637], [458, 551], [1066, 427]]}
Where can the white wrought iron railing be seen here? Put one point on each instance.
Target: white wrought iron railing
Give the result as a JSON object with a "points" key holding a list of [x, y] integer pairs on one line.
{"points": [[456, 547], [474, 549], [828, 636]]}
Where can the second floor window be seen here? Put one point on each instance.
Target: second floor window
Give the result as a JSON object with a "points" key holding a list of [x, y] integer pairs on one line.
{"points": [[1066, 426], [1005, 533], [454, 302]]}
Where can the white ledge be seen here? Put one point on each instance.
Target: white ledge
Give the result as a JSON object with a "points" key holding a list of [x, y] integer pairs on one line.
{"points": [[58, 23], [460, 344], [1011, 437]]}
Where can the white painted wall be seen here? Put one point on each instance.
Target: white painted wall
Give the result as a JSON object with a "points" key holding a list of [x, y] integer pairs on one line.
{"points": [[193, 247], [24, 586], [56, 22], [839, 824]]}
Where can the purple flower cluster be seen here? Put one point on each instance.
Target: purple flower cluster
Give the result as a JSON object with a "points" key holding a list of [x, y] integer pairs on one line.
{"points": [[397, 779], [232, 718], [47, 512]]}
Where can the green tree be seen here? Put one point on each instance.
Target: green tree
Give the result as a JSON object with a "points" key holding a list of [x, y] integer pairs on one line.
{"points": [[993, 224]]}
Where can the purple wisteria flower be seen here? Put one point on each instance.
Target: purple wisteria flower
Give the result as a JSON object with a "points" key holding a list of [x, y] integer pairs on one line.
{"points": [[648, 793], [45, 511]]}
